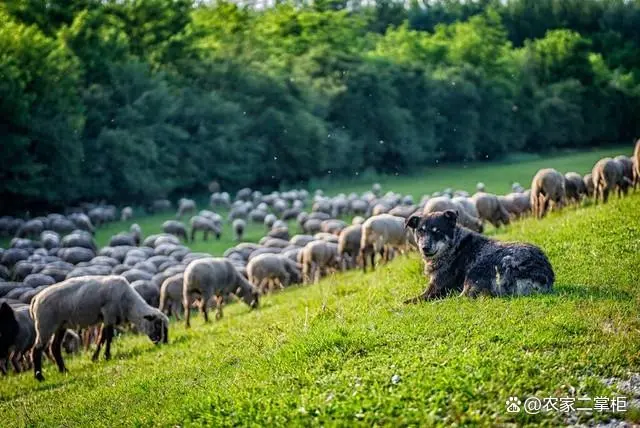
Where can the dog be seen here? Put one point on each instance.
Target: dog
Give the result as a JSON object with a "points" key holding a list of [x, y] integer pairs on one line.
{"points": [[458, 259]]}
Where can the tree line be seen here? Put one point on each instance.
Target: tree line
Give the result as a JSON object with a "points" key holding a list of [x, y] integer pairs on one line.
{"points": [[131, 100]]}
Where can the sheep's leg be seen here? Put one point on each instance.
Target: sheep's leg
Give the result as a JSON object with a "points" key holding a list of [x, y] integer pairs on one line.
{"points": [[363, 256], [101, 339], [218, 307], [203, 309], [187, 312], [86, 337], [605, 195], [36, 357], [206, 235], [373, 260], [545, 207], [108, 331], [57, 351], [15, 359]]}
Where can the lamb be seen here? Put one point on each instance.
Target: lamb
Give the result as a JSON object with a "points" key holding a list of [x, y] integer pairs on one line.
{"points": [[317, 258], [608, 175], [83, 302], [186, 206], [171, 293], [457, 259], [574, 187], [215, 277], [442, 203], [205, 225], [126, 214], [175, 228], [239, 225], [490, 209], [267, 270], [349, 246], [547, 187], [380, 234]]}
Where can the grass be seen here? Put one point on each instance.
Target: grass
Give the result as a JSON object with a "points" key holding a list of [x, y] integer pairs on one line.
{"points": [[325, 354]]}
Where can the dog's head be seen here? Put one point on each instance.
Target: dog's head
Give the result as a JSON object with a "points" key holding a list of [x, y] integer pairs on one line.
{"points": [[433, 232]]}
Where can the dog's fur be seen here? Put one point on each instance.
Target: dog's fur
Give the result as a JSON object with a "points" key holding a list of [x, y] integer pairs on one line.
{"points": [[458, 259]]}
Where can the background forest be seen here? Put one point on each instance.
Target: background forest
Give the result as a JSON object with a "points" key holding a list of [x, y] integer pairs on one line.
{"points": [[131, 100]]}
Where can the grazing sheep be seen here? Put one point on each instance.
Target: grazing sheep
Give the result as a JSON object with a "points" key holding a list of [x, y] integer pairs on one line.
{"points": [[122, 238], [443, 203], [332, 226], [32, 228], [257, 216], [215, 277], [239, 225], [312, 226], [148, 291], [175, 228], [186, 206], [547, 187], [480, 187], [50, 239], [574, 187], [267, 271], [403, 211], [376, 189], [279, 233], [588, 185], [349, 246], [490, 209], [205, 225], [126, 214], [457, 259], [516, 204], [86, 301], [608, 175], [467, 204], [136, 231], [291, 213], [317, 258], [301, 240], [380, 234], [274, 242], [171, 293]]}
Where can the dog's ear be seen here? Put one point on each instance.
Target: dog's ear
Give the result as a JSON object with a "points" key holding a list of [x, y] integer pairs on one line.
{"points": [[451, 216], [412, 222], [6, 313]]}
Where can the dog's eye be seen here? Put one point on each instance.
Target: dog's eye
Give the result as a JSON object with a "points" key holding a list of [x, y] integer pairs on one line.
{"points": [[434, 229]]}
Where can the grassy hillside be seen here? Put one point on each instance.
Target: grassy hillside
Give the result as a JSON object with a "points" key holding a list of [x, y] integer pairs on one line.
{"points": [[326, 354]]}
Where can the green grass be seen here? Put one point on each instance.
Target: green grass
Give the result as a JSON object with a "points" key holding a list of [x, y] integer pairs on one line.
{"points": [[325, 354]]}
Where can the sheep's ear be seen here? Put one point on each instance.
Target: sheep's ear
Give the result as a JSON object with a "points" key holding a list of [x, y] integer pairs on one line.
{"points": [[412, 222], [451, 215], [6, 313]]}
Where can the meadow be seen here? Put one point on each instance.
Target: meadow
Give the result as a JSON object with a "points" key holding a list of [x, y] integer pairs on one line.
{"points": [[347, 351]]}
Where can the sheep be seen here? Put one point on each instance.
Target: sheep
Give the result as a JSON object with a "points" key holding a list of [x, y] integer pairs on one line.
{"points": [[380, 234], [291, 213], [301, 240], [17, 334], [636, 164], [349, 246], [75, 255], [50, 239], [359, 206], [516, 204], [266, 270], [607, 176], [587, 180], [467, 204], [332, 226], [126, 214], [148, 291], [239, 225], [317, 258], [490, 209], [480, 187], [122, 238], [219, 199], [280, 233], [376, 189], [357, 220], [244, 194], [32, 228], [239, 212], [257, 216], [312, 225], [175, 228], [205, 225], [274, 242], [215, 277], [82, 222], [79, 239], [186, 206], [83, 302], [404, 211], [574, 187], [547, 187], [136, 231], [171, 295], [443, 203]]}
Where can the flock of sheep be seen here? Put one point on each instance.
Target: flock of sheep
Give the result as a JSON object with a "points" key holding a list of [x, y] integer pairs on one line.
{"points": [[58, 290]]}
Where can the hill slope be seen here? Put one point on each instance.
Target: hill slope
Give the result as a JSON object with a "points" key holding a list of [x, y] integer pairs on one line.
{"points": [[327, 354]]}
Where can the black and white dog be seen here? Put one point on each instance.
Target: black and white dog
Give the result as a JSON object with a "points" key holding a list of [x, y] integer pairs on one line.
{"points": [[458, 259]]}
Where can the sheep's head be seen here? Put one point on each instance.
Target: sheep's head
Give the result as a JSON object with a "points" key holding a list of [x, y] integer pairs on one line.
{"points": [[156, 326], [8, 328], [251, 296]]}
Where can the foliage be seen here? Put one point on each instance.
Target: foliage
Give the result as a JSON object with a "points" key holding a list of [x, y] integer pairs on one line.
{"points": [[136, 99]]}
